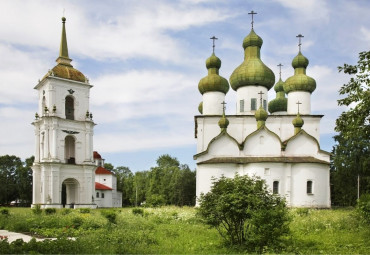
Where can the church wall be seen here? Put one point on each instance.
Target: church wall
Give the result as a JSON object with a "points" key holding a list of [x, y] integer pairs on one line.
{"points": [[319, 175], [242, 126], [302, 145], [247, 93], [212, 103], [205, 173], [262, 143], [304, 98], [223, 146]]}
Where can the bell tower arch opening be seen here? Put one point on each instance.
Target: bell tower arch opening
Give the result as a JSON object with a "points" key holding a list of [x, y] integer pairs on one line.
{"points": [[70, 149], [70, 192], [69, 108]]}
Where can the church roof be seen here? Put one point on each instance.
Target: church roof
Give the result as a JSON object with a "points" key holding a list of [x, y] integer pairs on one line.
{"points": [[246, 160], [102, 170], [97, 155], [100, 186]]}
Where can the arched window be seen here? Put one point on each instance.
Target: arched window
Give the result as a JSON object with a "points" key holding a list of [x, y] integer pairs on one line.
{"points": [[69, 150], [275, 187], [70, 115], [43, 105], [309, 187]]}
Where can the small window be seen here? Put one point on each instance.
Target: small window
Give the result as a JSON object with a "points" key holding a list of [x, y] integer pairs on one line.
{"points": [[97, 194], [275, 187], [253, 104], [102, 195], [105, 179], [69, 108], [265, 105], [241, 105], [309, 187], [267, 171]]}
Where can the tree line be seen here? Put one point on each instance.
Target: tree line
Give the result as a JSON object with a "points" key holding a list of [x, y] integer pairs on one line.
{"points": [[167, 183]]}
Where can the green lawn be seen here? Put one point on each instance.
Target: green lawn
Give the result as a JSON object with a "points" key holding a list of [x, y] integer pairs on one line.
{"points": [[174, 230]]}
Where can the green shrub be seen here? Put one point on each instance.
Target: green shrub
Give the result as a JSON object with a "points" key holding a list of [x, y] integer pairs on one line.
{"points": [[363, 208], [37, 209], [138, 211], [155, 200], [77, 222], [4, 211], [85, 210], [110, 215], [49, 211], [302, 211], [66, 211], [245, 213]]}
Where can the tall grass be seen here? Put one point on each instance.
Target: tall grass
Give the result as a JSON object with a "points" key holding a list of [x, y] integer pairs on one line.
{"points": [[174, 230]]}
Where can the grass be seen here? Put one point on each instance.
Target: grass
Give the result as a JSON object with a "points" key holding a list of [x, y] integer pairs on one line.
{"points": [[174, 230]]}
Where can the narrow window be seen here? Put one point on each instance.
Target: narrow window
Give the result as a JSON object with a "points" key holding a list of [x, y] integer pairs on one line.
{"points": [[275, 187], [261, 139], [102, 195], [253, 104], [309, 187], [241, 105], [97, 194], [265, 105], [267, 171], [69, 108]]}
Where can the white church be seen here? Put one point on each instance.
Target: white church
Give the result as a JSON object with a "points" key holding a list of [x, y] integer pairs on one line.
{"points": [[282, 147], [64, 170]]}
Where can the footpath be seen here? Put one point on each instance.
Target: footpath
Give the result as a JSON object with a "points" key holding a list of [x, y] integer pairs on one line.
{"points": [[12, 236]]}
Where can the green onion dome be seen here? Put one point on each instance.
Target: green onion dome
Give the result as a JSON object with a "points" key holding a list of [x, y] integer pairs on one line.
{"points": [[298, 121], [261, 116], [200, 107], [223, 122], [280, 103], [213, 81], [300, 81], [252, 72]]}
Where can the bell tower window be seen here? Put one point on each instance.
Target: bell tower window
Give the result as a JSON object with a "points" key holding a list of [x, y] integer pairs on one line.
{"points": [[69, 150], [70, 108]]}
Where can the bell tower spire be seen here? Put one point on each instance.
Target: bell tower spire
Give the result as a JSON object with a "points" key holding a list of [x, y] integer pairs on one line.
{"points": [[63, 50]]}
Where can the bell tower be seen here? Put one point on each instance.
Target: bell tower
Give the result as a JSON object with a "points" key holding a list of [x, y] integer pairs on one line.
{"points": [[64, 169]]}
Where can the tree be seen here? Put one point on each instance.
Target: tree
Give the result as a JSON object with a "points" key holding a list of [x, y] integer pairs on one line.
{"points": [[245, 213], [9, 166], [125, 182], [352, 149]]}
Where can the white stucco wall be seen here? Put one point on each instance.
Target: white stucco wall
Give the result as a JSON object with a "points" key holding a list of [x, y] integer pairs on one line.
{"points": [[299, 96], [246, 93], [212, 103]]}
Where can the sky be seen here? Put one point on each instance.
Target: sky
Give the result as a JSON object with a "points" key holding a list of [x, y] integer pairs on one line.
{"points": [[145, 59]]}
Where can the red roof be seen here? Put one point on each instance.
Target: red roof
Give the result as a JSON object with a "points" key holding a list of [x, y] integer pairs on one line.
{"points": [[101, 170], [100, 186], [96, 155]]}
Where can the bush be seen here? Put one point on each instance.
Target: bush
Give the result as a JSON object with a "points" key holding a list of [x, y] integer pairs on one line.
{"points": [[110, 215], [4, 211], [85, 210], [49, 211], [363, 208], [138, 211], [156, 200], [37, 209], [245, 213]]}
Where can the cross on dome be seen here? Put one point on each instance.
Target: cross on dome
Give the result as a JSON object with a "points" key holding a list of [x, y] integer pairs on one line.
{"points": [[252, 13], [280, 65], [300, 42], [261, 93], [298, 103], [213, 46], [223, 107]]}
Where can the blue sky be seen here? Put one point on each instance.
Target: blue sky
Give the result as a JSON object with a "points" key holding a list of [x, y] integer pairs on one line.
{"points": [[145, 59]]}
